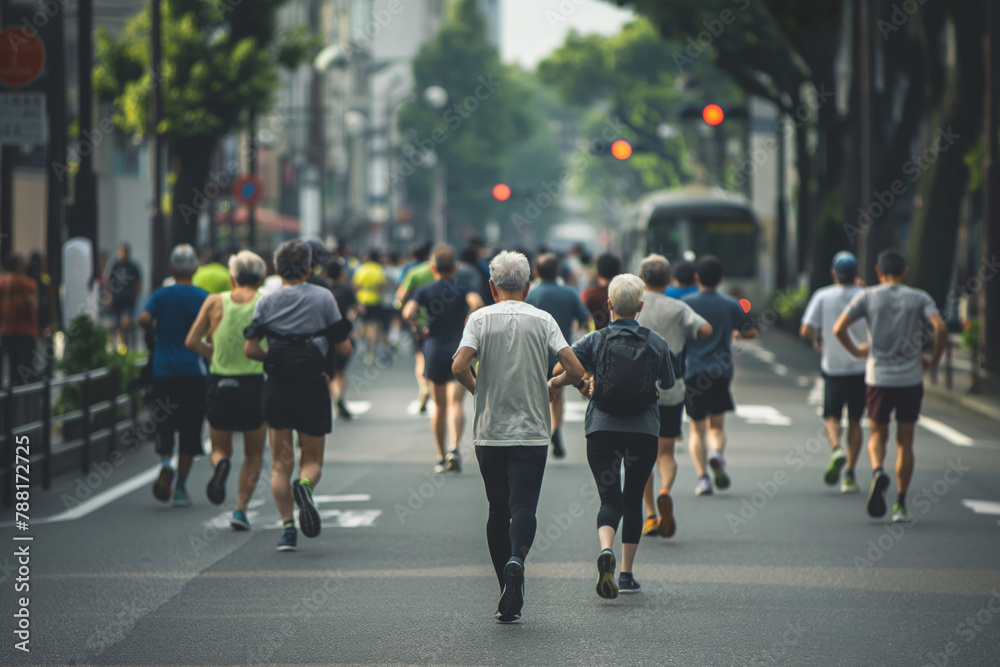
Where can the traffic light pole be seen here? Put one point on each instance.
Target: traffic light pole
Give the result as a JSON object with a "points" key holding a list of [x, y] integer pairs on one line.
{"points": [[159, 250], [989, 296]]}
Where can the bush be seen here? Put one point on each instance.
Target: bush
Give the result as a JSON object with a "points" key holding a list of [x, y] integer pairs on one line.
{"points": [[790, 304], [970, 337]]}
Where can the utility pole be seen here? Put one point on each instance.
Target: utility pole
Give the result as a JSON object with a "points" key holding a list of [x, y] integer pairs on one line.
{"points": [[781, 240], [989, 296], [156, 150], [867, 248], [84, 221], [56, 159], [252, 166]]}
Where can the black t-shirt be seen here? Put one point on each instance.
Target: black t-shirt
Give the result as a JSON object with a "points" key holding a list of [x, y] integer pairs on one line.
{"points": [[447, 309], [346, 298], [122, 280]]}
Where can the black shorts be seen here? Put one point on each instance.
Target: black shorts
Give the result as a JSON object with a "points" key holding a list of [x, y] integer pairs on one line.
{"points": [[179, 407], [707, 394], [671, 417], [122, 308], [439, 372], [374, 313], [841, 390], [233, 402], [304, 407]]}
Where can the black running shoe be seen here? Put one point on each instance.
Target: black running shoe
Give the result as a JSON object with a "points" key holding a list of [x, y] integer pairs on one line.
{"points": [[289, 540], [423, 403], [628, 584], [718, 466], [217, 485], [876, 495], [606, 586], [308, 514], [161, 487], [453, 462], [343, 412], [512, 597], [557, 446]]}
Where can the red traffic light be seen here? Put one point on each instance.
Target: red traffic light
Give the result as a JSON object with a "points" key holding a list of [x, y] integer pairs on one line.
{"points": [[713, 114], [501, 192], [621, 149]]}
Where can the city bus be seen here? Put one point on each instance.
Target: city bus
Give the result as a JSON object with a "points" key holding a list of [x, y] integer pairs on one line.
{"points": [[687, 223]]}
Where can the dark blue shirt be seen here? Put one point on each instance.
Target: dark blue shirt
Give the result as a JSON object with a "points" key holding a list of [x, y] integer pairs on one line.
{"points": [[175, 309], [676, 292], [562, 303], [447, 309], [714, 354]]}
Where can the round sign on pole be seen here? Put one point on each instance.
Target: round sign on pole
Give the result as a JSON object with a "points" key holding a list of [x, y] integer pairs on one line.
{"points": [[248, 190], [22, 57]]}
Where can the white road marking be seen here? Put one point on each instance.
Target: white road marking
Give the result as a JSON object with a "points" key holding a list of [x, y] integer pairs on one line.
{"points": [[780, 369], [338, 519], [574, 411], [359, 407], [948, 433], [804, 381], [349, 498], [100, 500], [983, 506], [414, 407], [763, 414]]}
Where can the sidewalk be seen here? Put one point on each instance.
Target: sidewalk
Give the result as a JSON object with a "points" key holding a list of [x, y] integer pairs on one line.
{"points": [[958, 364]]}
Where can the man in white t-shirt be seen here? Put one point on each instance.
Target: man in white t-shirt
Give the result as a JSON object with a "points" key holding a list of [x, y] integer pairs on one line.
{"points": [[897, 318], [843, 374], [677, 323], [511, 341]]}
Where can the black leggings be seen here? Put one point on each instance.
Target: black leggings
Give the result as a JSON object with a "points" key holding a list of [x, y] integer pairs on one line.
{"points": [[513, 478], [605, 452]]}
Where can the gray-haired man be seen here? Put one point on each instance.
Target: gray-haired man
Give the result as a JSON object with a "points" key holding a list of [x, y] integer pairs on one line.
{"points": [[511, 428], [677, 323]]}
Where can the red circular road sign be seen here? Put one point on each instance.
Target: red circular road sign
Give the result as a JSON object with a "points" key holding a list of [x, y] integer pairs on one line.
{"points": [[248, 190], [22, 56]]}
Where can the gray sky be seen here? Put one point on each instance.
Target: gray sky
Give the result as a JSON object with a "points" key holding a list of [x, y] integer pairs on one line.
{"points": [[531, 29]]}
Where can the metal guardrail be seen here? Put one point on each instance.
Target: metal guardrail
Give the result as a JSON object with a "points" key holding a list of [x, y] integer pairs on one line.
{"points": [[26, 410]]}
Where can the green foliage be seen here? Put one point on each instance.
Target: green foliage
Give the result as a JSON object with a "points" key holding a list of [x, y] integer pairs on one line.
{"points": [[790, 304], [87, 348], [488, 115], [970, 336]]}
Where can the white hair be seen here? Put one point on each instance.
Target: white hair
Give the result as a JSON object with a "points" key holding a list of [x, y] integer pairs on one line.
{"points": [[184, 259], [625, 293], [510, 271], [655, 270], [247, 268]]}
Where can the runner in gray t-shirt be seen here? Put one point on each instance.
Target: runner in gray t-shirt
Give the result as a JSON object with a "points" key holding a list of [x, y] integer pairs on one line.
{"points": [[677, 323], [897, 316], [512, 341]]}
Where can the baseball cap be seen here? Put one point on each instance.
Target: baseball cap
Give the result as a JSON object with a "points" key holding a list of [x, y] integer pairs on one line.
{"points": [[184, 259], [320, 255], [845, 262]]}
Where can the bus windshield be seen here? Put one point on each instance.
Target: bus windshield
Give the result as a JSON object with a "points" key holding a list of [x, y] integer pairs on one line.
{"points": [[732, 240]]}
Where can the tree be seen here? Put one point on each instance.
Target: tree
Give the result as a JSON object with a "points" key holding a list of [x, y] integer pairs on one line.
{"points": [[484, 120], [219, 65]]}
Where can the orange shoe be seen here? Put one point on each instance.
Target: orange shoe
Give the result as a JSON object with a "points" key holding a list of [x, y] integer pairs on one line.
{"points": [[651, 526]]}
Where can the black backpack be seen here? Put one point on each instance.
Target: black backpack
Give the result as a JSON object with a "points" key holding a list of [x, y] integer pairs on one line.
{"points": [[625, 373]]}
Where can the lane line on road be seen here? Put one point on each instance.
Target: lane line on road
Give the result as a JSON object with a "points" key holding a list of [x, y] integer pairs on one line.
{"points": [[943, 430], [100, 500]]}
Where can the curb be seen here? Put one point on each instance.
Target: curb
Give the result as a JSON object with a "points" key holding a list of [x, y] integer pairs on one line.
{"points": [[970, 402]]}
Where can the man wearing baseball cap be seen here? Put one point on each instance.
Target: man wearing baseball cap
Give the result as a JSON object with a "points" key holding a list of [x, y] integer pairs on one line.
{"points": [[843, 374], [179, 374]]}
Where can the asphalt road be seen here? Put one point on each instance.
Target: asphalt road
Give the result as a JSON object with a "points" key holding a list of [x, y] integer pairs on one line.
{"points": [[779, 570]]}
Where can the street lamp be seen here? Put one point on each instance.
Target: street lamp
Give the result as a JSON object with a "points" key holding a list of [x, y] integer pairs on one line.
{"points": [[436, 97]]}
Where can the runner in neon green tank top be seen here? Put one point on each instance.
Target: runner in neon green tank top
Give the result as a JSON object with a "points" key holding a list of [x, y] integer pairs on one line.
{"points": [[234, 388]]}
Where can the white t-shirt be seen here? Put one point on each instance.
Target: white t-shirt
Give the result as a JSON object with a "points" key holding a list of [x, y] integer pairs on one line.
{"points": [[822, 313], [677, 323], [512, 341], [896, 316]]}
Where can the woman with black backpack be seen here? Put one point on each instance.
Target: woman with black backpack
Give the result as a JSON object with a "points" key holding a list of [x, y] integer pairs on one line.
{"points": [[624, 364]]}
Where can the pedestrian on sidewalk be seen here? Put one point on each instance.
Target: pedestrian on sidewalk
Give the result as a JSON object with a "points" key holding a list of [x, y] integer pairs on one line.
{"points": [[448, 303], [897, 316], [511, 429], [708, 373], [564, 305], [179, 374], [677, 323], [626, 362], [236, 382], [19, 297], [302, 325], [843, 374]]}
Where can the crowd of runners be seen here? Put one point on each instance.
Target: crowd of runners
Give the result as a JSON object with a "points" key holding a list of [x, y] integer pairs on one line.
{"points": [[266, 356]]}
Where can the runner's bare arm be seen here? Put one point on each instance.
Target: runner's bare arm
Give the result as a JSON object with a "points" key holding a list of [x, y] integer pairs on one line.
{"points": [[253, 350], [462, 368], [196, 336], [840, 331], [940, 341]]}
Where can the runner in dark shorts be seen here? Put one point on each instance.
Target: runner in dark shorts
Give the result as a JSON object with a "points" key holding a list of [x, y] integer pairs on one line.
{"points": [[897, 316], [708, 394], [302, 325], [178, 374], [447, 303], [233, 400]]}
